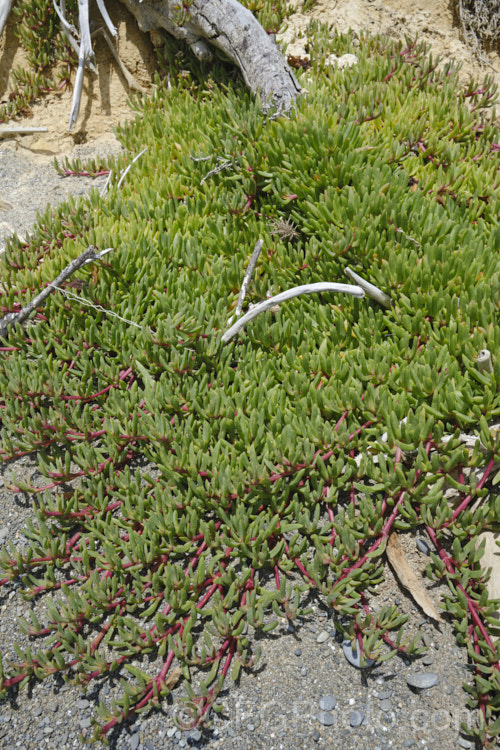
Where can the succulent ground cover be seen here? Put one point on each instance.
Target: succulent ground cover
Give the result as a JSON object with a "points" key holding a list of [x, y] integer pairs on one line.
{"points": [[198, 492]]}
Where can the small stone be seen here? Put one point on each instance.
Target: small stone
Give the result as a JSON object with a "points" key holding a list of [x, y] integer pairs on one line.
{"points": [[54, 707], [422, 546], [316, 735], [426, 639], [298, 652], [356, 718], [171, 731], [83, 703], [195, 735], [428, 660], [422, 680], [408, 743], [135, 741], [327, 702], [4, 533], [325, 718], [353, 656], [303, 672], [385, 705], [149, 745], [462, 742], [323, 636], [48, 730], [182, 743], [383, 694], [85, 723]]}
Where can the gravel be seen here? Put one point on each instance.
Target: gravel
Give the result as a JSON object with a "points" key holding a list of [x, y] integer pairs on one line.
{"points": [[287, 702]]}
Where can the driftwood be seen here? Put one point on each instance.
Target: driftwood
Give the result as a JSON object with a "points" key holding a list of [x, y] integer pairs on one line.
{"points": [[11, 319], [5, 6], [230, 27], [225, 24]]}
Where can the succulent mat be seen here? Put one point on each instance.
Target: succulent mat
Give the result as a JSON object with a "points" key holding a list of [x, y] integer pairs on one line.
{"points": [[197, 492]]}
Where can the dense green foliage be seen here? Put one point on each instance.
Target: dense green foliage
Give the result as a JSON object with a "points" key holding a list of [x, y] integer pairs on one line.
{"points": [[195, 488]]}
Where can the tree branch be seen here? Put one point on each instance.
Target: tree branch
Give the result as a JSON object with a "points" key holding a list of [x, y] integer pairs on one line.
{"points": [[12, 318]]}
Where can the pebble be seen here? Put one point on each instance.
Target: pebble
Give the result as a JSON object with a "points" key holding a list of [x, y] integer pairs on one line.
{"points": [[428, 660], [316, 735], [327, 702], [171, 731], [323, 636], [354, 657], [85, 723], [422, 546], [195, 735], [426, 639], [4, 533], [408, 743], [385, 705], [356, 718], [383, 694], [298, 652], [135, 741], [83, 703], [462, 742], [325, 718], [422, 680], [303, 672]]}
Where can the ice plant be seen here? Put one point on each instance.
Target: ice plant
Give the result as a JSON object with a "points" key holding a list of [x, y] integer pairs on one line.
{"points": [[196, 491]]}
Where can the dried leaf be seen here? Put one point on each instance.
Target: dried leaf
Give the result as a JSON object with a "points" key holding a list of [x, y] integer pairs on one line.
{"points": [[408, 578], [173, 678]]}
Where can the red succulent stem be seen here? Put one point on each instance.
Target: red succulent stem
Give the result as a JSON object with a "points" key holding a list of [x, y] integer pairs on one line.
{"points": [[479, 486], [472, 606]]}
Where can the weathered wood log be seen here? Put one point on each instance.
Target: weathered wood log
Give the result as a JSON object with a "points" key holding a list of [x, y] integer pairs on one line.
{"points": [[230, 27], [225, 24], [5, 6]]}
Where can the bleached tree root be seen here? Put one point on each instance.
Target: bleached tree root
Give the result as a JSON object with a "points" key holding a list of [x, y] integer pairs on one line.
{"points": [[230, 27]]}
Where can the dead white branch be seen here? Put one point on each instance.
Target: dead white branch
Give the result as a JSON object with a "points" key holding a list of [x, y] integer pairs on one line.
{"points": [[107, 20], [8, 131], [85, 56], [233, 29], [261, 307], [248, 276], [371, 290], [5, 6], [11, 319], [126, 171]]}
